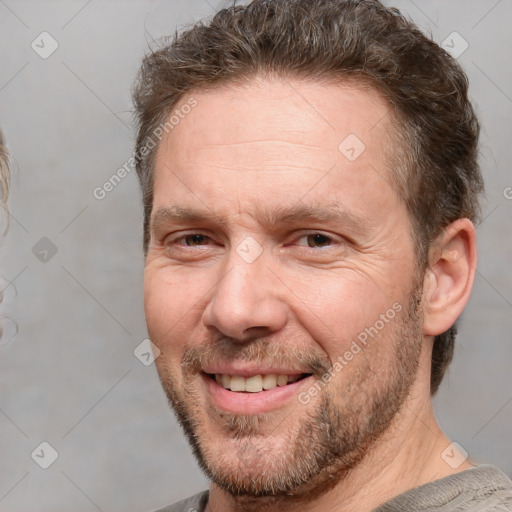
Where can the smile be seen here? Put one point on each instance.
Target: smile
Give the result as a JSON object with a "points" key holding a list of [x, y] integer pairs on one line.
{"points": [[254, 393], [255, 383]]}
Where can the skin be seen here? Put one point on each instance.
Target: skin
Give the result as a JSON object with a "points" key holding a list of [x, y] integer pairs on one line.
{"points": [[241, 157]]}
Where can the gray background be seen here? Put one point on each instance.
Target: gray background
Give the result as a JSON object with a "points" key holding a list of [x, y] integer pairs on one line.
{"points": [[70, 377]]}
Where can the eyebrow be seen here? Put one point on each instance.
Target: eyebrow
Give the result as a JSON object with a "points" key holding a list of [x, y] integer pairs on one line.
{"points": [[174, 214], [328, 212]]}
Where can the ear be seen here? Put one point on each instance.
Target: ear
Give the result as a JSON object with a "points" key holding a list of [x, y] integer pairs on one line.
{"points": [[449, 277]]}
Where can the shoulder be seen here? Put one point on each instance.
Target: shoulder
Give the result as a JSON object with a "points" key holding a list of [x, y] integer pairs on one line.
{"points": [[196, 503], [498, 502], [483, 488], [494, 493]]}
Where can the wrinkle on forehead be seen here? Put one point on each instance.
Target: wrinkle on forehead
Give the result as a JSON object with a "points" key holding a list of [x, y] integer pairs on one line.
{"points": [[263, 155]]}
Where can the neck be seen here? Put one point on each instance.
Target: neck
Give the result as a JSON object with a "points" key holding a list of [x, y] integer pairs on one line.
{"points": [[406, 456]]}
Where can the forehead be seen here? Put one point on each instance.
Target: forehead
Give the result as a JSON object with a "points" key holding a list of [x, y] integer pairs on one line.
{"points": [[284, 109], [275, 135]]}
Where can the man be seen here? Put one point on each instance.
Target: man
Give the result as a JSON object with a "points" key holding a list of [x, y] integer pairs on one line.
{"points": [[310, 182]]}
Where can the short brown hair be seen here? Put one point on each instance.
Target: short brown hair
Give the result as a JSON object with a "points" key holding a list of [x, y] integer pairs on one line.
{"points": [[435, 162], [4, 188], [4, 172]]}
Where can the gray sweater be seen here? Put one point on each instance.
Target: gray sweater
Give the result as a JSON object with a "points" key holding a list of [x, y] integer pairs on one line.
{"points": [[483, 488]]}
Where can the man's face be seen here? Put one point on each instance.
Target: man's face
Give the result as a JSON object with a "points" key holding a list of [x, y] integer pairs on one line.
{"points": [[279, 247]]}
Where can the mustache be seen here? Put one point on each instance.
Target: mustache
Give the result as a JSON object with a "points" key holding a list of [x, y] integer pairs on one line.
{"points": [[261, 351]]}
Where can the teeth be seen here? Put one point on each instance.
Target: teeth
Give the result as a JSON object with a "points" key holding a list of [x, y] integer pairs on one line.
{"points": [[269, 381], [237, 383], [226, 381], [254, 384], [282, 380]]}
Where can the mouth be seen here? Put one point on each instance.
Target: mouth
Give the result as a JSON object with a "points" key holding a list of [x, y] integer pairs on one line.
{"points": [[254, 393], [255, 383]]}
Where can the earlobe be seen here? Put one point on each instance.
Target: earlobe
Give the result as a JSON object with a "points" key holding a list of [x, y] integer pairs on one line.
{"points": [[449, 279]]}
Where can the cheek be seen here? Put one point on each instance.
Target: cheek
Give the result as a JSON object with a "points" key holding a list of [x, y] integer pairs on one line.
{"points": [[335, 309], [170, 307]]}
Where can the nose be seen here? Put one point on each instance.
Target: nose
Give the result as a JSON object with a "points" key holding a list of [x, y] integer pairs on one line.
{"points": [[247, 301]]}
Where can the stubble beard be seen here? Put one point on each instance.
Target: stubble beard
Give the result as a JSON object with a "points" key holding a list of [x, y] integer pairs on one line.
{"points": [[255, 459]]}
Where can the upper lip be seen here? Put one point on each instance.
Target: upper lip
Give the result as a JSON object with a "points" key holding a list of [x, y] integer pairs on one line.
{"points": [[250, 370]]}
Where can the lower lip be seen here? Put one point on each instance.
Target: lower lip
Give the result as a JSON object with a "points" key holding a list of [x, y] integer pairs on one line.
{"points": [[253, 403]]}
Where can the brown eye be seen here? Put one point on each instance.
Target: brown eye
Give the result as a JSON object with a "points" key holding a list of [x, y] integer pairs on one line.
{"points": [[192, 240], [318, 240]]}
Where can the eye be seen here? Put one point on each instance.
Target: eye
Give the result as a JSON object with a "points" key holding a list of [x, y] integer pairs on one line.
{"points": [[185, 240], [318, 240], [194, 239], [315, 240], [190, 246]]}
